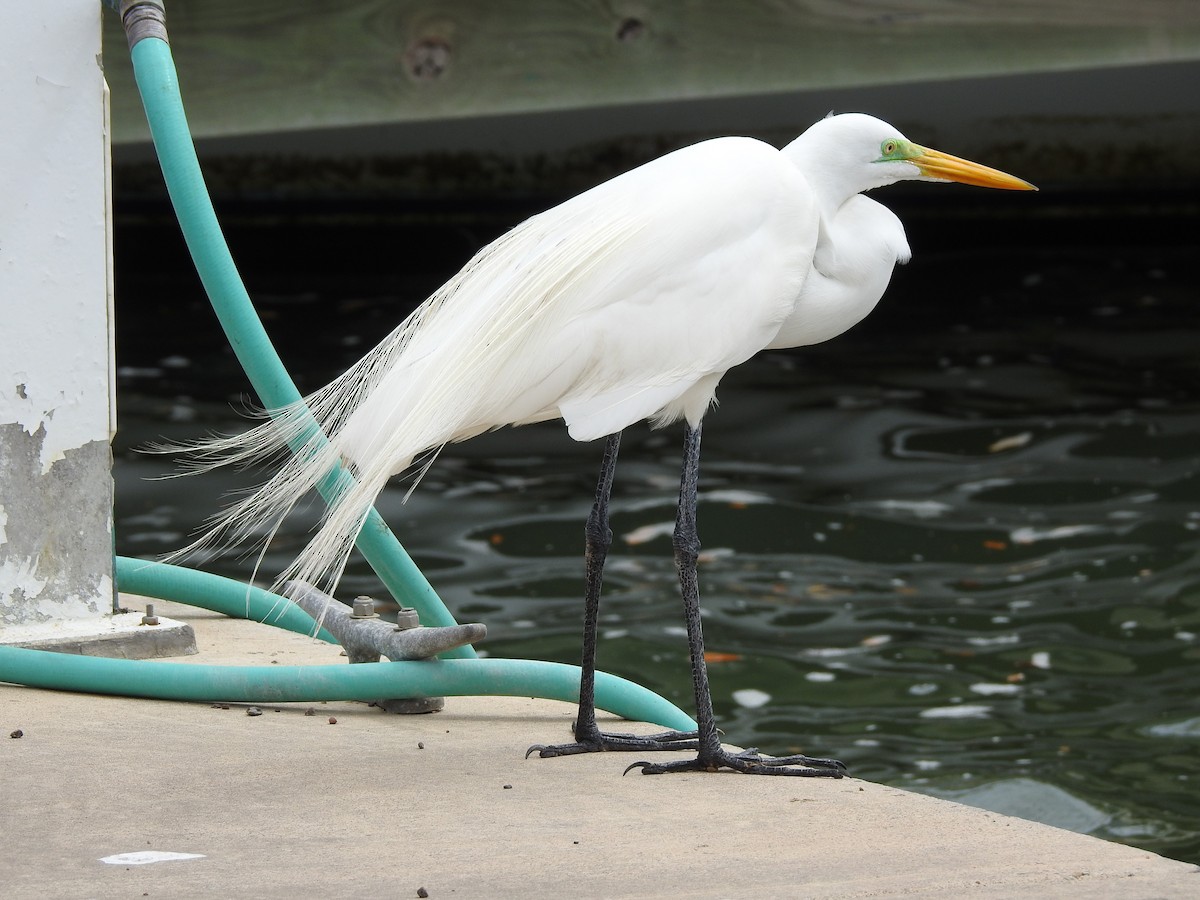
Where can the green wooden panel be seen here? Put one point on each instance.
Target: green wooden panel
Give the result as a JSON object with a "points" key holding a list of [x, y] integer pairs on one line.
{"points": [[268, 65]]}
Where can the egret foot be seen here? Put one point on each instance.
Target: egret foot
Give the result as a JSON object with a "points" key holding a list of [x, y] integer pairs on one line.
{"points": [[596, 741], [748, 762]]}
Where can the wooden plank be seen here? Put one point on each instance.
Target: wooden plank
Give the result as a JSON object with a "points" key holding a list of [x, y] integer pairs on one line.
{"points": [[289, 64]]}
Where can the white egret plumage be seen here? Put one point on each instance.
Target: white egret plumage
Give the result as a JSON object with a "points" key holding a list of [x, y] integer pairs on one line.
{"points": [[627, 302]]}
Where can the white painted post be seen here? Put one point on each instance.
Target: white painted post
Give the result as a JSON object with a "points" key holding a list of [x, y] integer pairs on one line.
{"points": [[57, 409], [56, 345]]}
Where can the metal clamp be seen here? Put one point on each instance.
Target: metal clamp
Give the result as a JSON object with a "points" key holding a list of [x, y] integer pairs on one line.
{"points": [[365, 637]]}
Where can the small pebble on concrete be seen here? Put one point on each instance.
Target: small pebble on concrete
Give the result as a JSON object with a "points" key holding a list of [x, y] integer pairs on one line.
{"points": [[253, 711]]}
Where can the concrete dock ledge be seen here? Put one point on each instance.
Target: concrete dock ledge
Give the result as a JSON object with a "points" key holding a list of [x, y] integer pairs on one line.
{"points": [[342, 800], [127, 635]]}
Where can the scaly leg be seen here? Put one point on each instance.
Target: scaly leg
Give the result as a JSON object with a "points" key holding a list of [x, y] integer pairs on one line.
{"points": [[588, 737], [711, 756]]}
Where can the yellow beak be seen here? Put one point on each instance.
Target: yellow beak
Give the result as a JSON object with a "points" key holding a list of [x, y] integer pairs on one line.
{"points": [[935, 164]]}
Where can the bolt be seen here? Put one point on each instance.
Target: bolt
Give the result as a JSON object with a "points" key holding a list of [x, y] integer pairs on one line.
{"points": [[406, 618], [364, 608], [149, 618]]}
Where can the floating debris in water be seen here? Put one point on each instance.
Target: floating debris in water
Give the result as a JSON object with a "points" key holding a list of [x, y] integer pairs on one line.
{"points": [[647, 533], [751, 698], [1012, 442], [716, 656]]}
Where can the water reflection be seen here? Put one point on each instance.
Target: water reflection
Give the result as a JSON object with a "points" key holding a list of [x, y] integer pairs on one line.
{"points": [[956, 548]]}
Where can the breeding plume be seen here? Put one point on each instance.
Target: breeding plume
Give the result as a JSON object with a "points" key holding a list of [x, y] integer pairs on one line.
{"points": [[627, 302]]}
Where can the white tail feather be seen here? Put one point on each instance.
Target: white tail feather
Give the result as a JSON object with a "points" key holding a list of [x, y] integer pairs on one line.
{"points": [[476, 355]]}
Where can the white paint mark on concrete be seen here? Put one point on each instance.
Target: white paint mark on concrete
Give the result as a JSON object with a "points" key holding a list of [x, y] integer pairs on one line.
{"points": [[144, 857]]}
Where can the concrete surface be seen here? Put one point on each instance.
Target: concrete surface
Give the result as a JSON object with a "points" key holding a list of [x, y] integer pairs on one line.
{"points": [[287, 805], [119, 636]]}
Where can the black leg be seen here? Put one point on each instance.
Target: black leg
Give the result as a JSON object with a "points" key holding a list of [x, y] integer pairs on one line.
{"points": [[588, 737], [711, 756]]}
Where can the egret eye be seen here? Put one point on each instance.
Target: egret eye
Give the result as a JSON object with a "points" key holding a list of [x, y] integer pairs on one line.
{"points": [[888, 148]]}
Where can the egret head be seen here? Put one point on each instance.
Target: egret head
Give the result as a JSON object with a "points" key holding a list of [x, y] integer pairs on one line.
{"points": [[850, 153]]}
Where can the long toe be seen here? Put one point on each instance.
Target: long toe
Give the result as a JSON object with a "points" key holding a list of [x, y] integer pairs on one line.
{"points": [[812, 762], [747, 764], [603, 742]]}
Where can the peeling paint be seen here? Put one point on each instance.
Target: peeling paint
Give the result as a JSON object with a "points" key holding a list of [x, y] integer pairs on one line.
{"points": [[66, 417], [21, 587], [56, 559]]}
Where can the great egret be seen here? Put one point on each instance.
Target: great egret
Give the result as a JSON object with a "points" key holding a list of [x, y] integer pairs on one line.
{"points": [[627, 302]]}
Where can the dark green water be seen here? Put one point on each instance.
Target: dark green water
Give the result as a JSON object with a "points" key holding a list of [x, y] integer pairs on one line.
{"points": [[956, 547]]}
